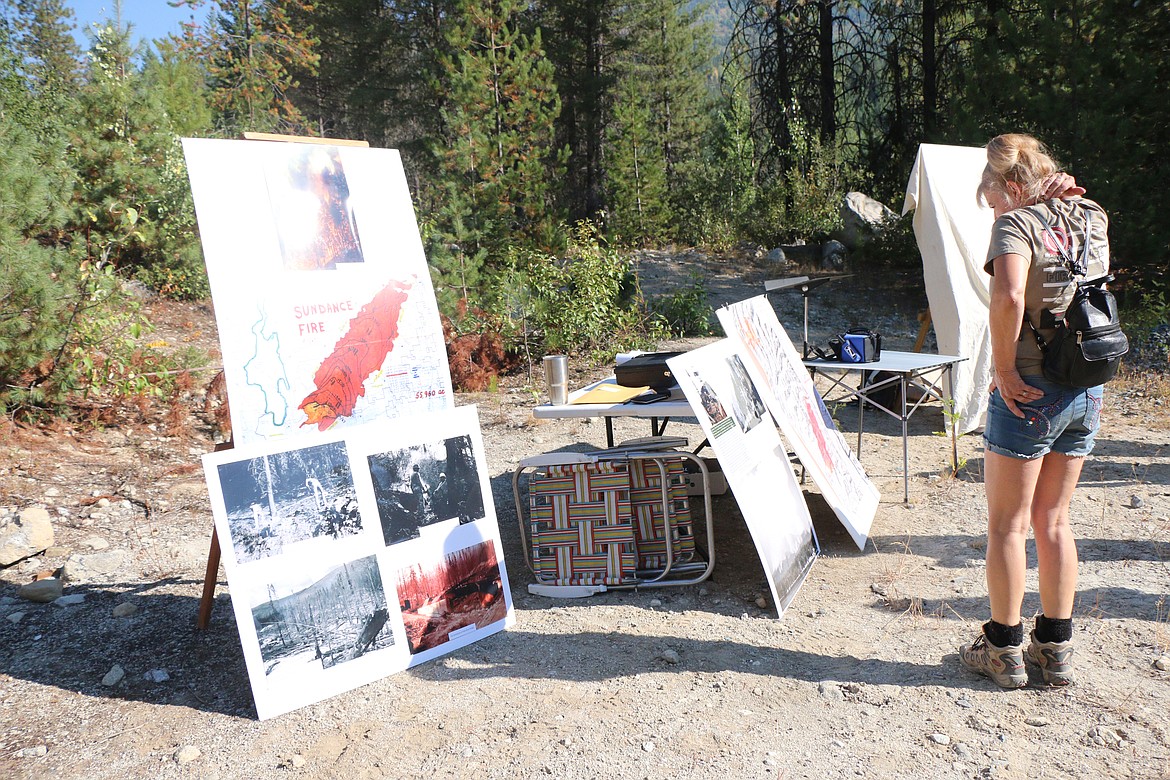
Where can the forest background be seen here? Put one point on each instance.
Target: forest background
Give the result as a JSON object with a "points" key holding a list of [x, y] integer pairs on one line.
{"points": [[543, 141]]}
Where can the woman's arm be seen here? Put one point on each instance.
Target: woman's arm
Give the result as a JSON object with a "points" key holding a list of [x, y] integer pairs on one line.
{"points": [[1006, 319]]}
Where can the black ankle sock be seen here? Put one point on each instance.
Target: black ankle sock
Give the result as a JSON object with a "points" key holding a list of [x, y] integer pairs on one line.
{"points": [[1053, 629], [1002, 636]]}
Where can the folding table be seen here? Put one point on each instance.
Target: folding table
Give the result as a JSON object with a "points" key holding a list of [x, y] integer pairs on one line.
{"points": [[909, 369], [659, 412]]}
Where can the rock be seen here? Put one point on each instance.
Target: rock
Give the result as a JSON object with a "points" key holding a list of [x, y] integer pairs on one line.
{"points": [[42, 591], [830, 690], [70, 600], [648, 747], [833, 256], [125, 609], [95, 543], [157, 676], [655, 603], [1036, 721], [1136, 502], [862, 218], [186, 754], [30, 533], [38, 751], [297, 760], [777, 256], [52, 492], [940, 739], [15, 617], [670, 656], [1162, 664], [80, 568], [103, 502], [114, 676]]}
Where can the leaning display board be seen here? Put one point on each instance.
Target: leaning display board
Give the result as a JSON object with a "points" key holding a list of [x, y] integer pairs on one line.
{"points": [[788, 391], [358, 553], [322, 294], [740, 430]]}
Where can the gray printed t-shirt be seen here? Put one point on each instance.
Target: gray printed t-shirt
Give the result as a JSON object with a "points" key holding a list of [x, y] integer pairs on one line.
{"points": [[1049, 289]]}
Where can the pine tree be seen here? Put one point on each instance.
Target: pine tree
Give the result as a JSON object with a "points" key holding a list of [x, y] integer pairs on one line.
{"points": [[132, 205], [497, 157], [664, 70], [251, 49], [35, 274], [636, 172]]}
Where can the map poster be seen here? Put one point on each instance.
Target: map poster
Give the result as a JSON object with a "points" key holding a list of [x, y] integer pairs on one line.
{"points": [[775, 367], [357, 553], [750, 453], [323, 299]]}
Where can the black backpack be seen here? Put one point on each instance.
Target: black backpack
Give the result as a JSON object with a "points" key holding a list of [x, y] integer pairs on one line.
{"points": [[1089, 343]]}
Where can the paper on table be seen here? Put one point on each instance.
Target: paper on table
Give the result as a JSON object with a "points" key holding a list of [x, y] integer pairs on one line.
{"points": [[608, 393]]}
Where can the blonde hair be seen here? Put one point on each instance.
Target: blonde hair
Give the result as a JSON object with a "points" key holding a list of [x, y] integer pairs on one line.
{"points": [[1021, 160]]}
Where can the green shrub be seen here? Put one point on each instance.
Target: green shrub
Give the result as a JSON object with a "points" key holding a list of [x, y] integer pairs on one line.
{"points": [[686, 312], [585, 302]]}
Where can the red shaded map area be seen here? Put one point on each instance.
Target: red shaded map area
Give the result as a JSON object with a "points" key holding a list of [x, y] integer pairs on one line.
{"points": [[359, 353]]}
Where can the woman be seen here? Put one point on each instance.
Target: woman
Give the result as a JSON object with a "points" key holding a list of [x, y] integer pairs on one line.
{"points": [[1037, 432]]}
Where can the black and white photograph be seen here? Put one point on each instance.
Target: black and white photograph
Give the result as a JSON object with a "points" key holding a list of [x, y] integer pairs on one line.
{"points": [[336, 618], [278, 499], [425, 484], [748, 408]]}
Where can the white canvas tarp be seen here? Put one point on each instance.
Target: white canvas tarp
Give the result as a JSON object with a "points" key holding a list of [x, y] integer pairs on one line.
{"points": [[953, 233]]}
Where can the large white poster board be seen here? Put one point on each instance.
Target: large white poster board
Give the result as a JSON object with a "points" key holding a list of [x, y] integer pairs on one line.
{"points": [[354, 554], [324, 303], [740, 430], [788, 391]]}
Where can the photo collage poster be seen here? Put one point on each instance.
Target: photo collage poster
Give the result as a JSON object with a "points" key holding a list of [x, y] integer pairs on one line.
{"points": [[323, 299], [788, 390], [753, 459], [355, 554]]}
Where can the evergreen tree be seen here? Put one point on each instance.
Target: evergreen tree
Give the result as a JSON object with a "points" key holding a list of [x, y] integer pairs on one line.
{"points": [[588, 43], [497, 156], [34, 272], [664, 70], [132, 206], [639, 211], [251, 49]]}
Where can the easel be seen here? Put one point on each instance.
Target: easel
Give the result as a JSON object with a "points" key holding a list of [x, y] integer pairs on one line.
{"points": [[804, 285], [211, 576]]}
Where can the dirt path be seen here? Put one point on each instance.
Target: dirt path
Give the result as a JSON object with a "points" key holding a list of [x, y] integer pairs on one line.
{"points": [[859, 679]]}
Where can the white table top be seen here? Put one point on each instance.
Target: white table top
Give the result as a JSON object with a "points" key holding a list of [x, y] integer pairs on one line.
{"points": [[897, 362], [675, 406]]}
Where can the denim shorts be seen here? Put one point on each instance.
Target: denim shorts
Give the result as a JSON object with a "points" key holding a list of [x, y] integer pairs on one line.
{"points": [[1065, 420]]}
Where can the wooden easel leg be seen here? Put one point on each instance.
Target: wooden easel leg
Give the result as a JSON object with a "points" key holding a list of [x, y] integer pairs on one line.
{"points": [[207, 600], [925, 319]]}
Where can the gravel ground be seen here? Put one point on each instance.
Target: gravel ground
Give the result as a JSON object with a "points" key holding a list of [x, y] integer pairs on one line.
{"points": [[859, 679]]}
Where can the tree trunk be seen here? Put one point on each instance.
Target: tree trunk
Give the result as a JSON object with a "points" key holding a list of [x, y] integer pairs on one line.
{"points": [[828, 84]]}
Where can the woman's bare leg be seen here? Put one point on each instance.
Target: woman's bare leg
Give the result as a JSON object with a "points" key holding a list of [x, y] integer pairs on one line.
{"points": [[1056, 550], [1010, 484]]}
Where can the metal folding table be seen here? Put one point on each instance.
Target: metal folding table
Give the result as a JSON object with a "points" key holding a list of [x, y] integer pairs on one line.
{"points": [[909, 369]]}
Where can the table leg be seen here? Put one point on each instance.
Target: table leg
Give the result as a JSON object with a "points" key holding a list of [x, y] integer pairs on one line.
{"points": [[860, 416], [954, 418], [905, 447], [609, 431]]}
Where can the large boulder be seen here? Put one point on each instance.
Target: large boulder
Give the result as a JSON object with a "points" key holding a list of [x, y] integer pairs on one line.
{"points": [[29, 533], [862, 217]]}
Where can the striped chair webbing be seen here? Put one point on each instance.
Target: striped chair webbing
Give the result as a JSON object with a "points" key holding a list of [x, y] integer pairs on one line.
{"points": [[649, 528], [581, 521]]}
